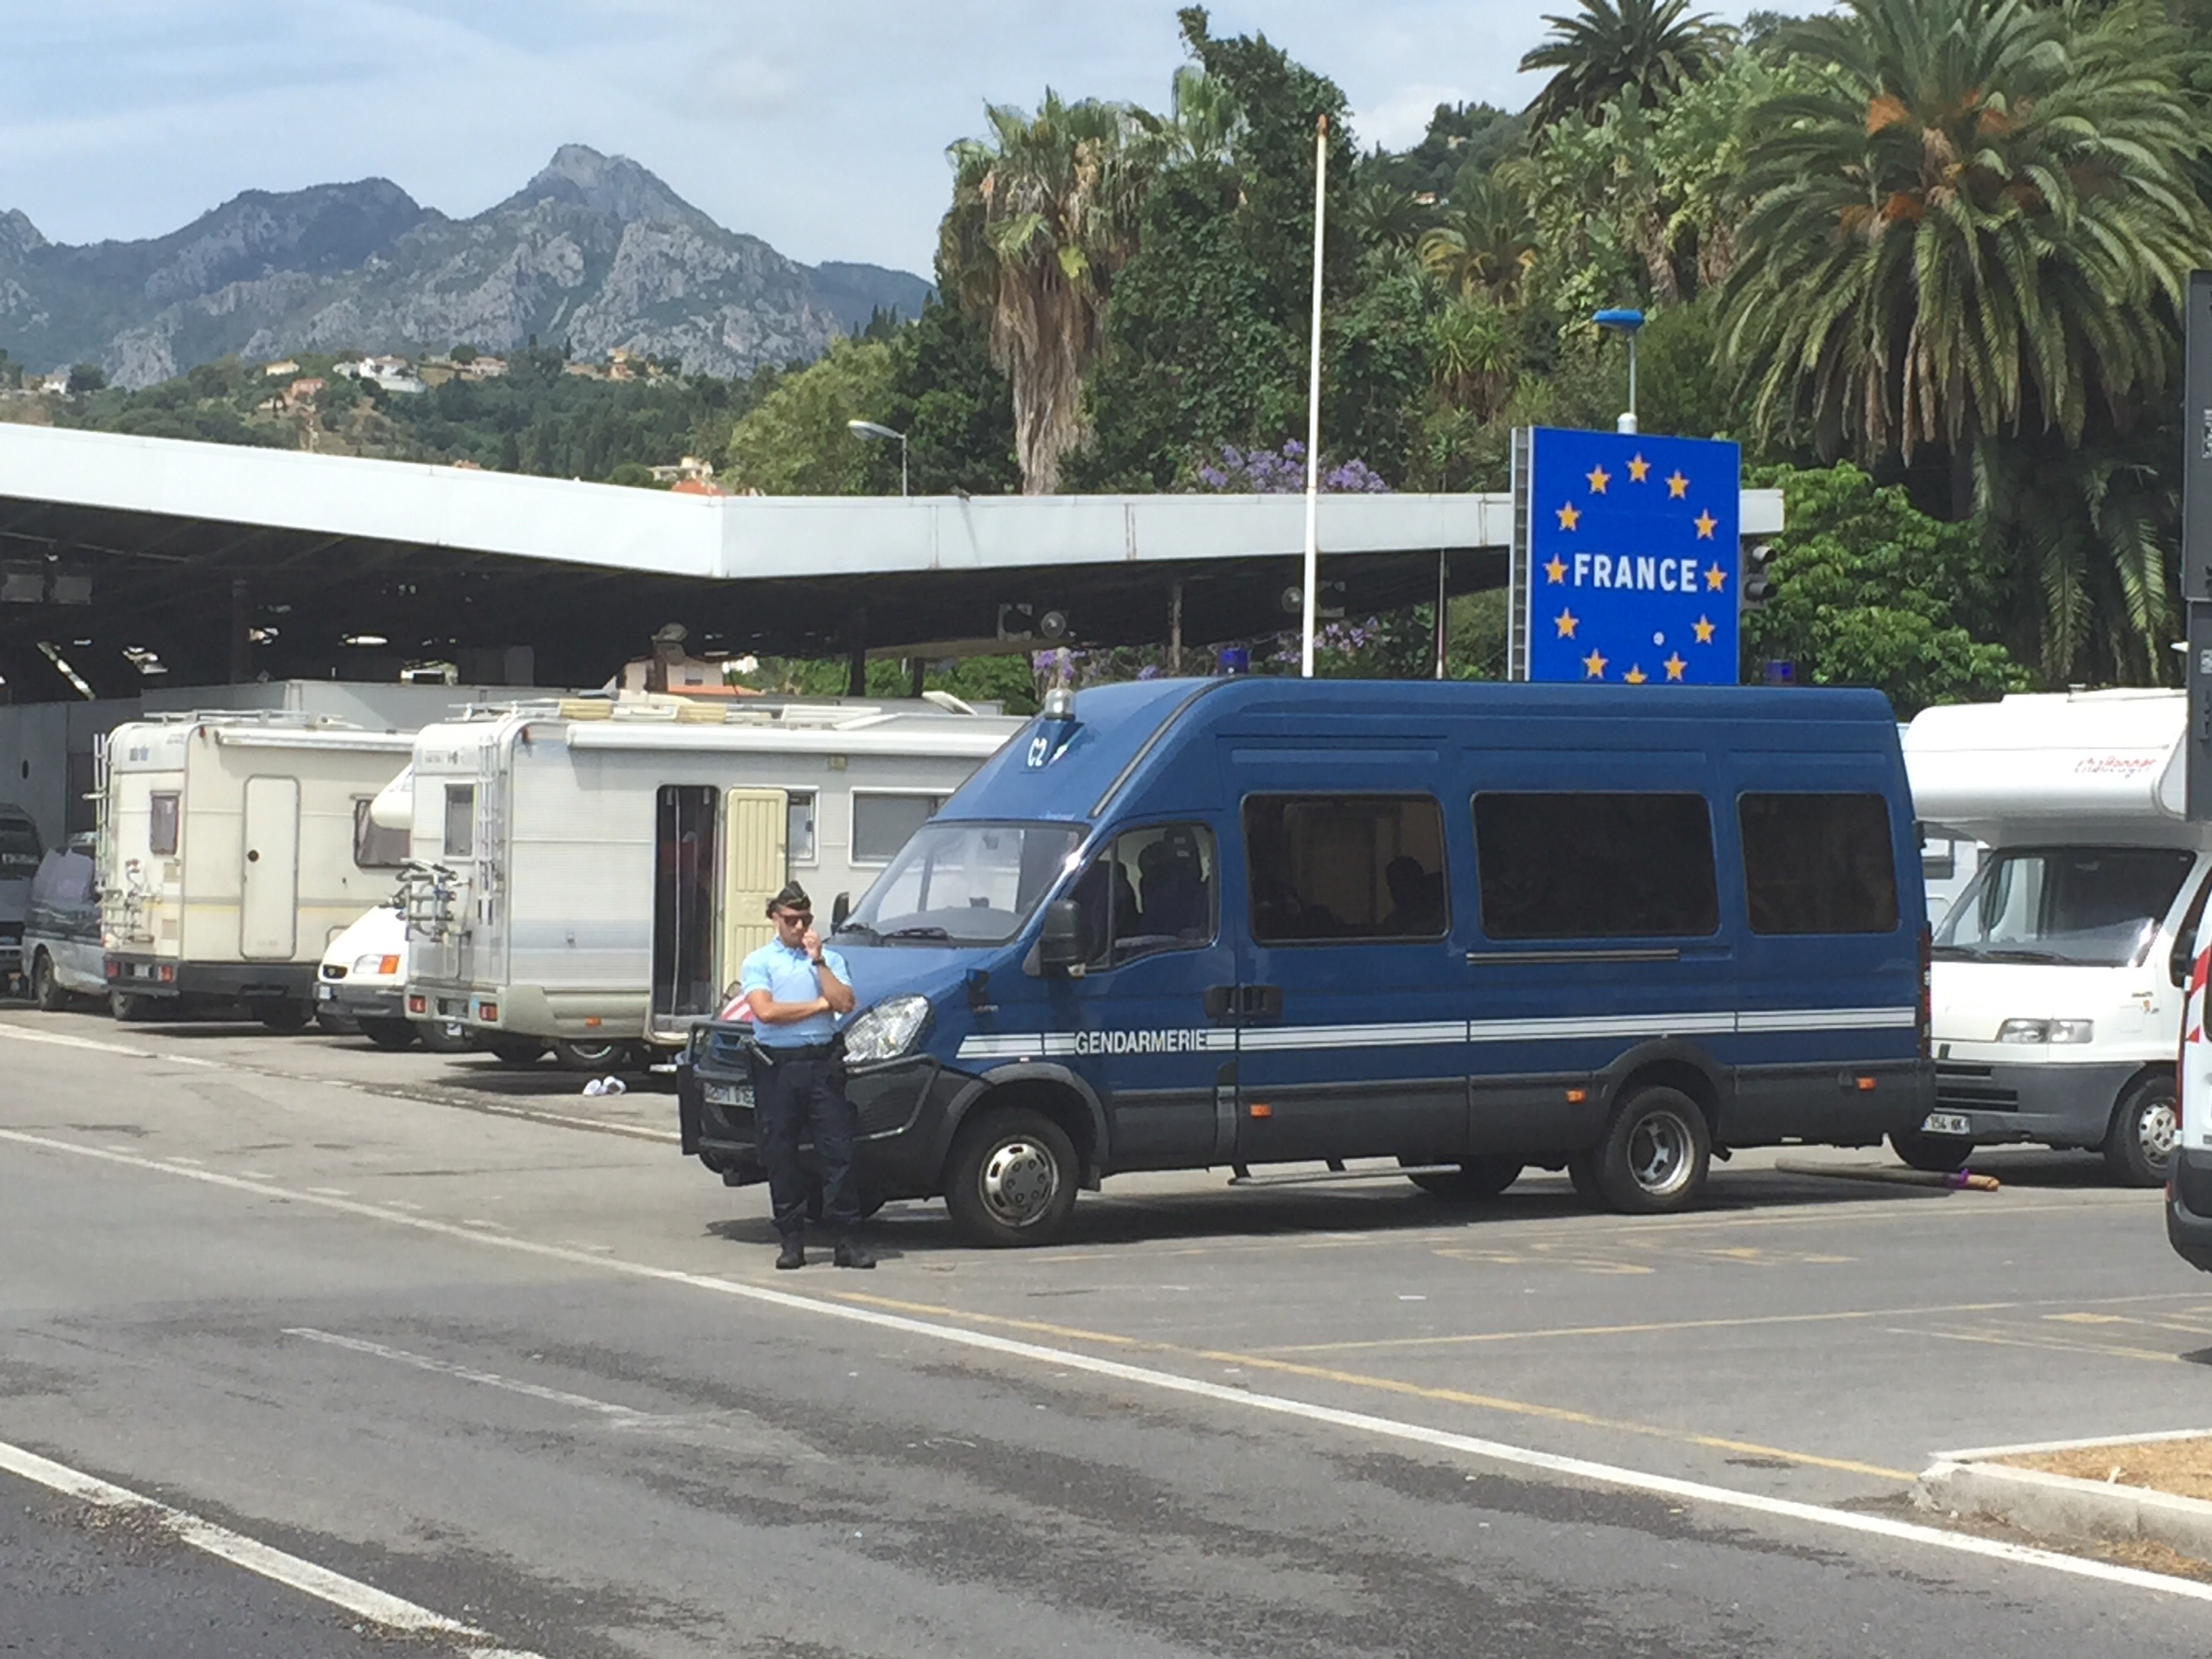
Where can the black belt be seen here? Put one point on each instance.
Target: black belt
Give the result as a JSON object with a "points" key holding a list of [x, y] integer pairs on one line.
{"points": [[776, 1051]]}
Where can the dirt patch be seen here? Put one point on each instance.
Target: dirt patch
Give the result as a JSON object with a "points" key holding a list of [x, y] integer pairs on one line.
{"points": [[2182, 1468]]}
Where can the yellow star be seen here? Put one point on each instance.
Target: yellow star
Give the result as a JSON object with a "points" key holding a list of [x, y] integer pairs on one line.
{"points": [[1638, 467], [1677, 486], [1570, 516], [1599, 477], [1593, 667], [1635, 677], [1566, 621], [1675, 665], [1555, 568], [1715, 578], [1706, 525], [1702, 627]]}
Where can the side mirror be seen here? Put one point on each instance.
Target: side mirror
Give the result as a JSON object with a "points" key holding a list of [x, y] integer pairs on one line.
{"points": [[2177, 962], [841, 911], [1059, 946]]}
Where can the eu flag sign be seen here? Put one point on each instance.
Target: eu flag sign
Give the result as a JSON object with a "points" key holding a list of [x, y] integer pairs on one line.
{"points": [[1628, 566]]}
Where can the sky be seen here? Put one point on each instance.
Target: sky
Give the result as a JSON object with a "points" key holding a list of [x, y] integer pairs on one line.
{"points": [[821, 127]]}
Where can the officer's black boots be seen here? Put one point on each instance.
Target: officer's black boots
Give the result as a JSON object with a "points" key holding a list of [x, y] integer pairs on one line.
{"points": [[793, 1254], [850, 1253]]}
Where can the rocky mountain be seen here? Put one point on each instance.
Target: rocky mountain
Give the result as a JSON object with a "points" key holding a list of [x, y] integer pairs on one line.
{"points": [[595, 250]]}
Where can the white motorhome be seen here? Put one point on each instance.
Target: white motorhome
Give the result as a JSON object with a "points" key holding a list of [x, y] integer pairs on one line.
{"points": [[592, 871], [2057, 976], [232, 848]]}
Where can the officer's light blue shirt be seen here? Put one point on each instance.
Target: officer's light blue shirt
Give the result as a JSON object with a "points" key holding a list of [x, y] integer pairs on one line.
{"points": [[787, 974]]}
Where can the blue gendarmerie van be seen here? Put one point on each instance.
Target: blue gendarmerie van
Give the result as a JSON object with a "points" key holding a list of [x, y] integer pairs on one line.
{"points": [[1470, 927]]}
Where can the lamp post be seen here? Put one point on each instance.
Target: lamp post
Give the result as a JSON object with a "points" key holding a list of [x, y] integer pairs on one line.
{"points": [[1624, 321], [867, 429]]}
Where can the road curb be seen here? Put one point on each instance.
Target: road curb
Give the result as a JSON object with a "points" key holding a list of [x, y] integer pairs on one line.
{"points": [[2061, 1506]]}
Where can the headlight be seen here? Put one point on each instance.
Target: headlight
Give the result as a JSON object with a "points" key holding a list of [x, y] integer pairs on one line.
{"points": [[886, 1030], [384, 966], [2046, 1031]]}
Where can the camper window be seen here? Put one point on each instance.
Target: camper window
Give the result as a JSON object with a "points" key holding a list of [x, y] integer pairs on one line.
{"points": [[798, 827], [1583, 866], [883, 821], [1339, 868], [375, 847], [461, 820], [1152, 890], [1818, 864], [162, 825]]}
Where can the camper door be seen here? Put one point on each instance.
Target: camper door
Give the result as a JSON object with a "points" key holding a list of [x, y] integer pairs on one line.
{"points": [[718, 857]]}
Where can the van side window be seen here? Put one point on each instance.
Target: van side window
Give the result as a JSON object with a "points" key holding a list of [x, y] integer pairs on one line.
{"points": [[375, 847], [162, 826], [1338, 868], [461, 820], [1818, 864], [1571, 865], [1153, 890]]}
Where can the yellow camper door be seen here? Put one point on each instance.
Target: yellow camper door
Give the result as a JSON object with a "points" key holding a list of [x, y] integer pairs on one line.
{"points": [[755, 867], [268, 895]]}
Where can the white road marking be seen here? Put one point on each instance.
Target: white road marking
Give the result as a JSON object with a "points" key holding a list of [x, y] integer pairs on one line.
{"points": [[363, 1601], [422, 1362], [1244, 1399], [61, 1040]]}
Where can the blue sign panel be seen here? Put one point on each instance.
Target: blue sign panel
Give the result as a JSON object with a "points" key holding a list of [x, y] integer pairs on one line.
{"points": [[1632, 559]]}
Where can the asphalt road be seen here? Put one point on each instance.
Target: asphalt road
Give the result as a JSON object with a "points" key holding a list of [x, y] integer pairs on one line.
{"points": [[466, 1337]]}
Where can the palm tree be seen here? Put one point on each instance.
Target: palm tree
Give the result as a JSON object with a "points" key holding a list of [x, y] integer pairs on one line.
{"points": [[1204, 122], [1652, 45], [1977, 223], [1383, 215], [1044, 212], [1485, 244], [1474, 350]]}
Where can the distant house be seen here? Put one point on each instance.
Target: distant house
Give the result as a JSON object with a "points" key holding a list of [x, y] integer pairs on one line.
{"points": [[389, 374], [274, 370], [304, 390], [57, 382], [689, 471], [589, 371], [485, 368]]}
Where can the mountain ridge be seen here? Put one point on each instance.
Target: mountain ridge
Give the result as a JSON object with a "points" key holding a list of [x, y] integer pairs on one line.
{"points": [[594, 249]]}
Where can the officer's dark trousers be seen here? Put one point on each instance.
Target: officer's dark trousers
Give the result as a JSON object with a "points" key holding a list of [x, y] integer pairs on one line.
{"points": [[799, 1095]]}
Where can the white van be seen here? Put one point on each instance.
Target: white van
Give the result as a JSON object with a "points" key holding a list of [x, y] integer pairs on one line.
{"points": [[590, 873], [233, 848], [2058, 971]]}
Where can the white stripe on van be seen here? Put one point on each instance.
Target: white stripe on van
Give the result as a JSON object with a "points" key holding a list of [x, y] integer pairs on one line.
{"points": [[1262, 1039]]}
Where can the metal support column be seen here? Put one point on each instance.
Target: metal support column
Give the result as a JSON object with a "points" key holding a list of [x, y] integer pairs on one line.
{"points": [[241, 631], [856, 654]]}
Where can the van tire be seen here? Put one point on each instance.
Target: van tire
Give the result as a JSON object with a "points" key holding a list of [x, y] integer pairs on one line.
{"points": [[45, 989], [597, 1057], [444, 1036], [1476, 1178], [515, 1051], [129, 1010], [285, 1019], [390, 1035], [1011, 1178], [1654, 1154], [2145, 1128], [1934, 1154]]}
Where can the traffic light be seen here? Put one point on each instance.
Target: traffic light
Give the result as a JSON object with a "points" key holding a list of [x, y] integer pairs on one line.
{"points": [[1753, 585]]}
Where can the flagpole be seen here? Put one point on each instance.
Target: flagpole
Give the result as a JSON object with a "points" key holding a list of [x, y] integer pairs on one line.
{"points": [[1313, 406]]}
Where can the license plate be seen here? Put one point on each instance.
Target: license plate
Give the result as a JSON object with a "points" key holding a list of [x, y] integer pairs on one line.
{"points": [[728, 1094], [327, 993], [1945, 1123]]}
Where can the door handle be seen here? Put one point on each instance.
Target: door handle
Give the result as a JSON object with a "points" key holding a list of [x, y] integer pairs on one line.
{"points": [[1263, 1002], [1220, 1001]]}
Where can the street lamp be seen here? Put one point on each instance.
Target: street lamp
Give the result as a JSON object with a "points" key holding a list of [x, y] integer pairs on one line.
{"points": [[866, 430], [1623, 320]]}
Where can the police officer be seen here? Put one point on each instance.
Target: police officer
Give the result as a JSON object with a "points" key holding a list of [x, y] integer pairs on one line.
{"points": [[797, 991]]}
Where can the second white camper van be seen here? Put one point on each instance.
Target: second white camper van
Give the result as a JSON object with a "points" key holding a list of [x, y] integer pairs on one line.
{"points": [[233, 847], [2057, 977], [592, 871]]}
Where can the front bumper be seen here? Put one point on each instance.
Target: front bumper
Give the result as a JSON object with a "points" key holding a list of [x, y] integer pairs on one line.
{"points": [[904, 1106], [351, 1001], [2189, 1208], [2055, 1104]]}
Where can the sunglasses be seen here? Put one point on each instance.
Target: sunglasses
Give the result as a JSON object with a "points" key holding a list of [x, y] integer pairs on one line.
{"points": [[796, 918]]}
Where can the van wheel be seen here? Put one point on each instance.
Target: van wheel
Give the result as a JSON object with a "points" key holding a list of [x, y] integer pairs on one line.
{"points": [[1936, 1154], [1654, 1154], [390, 1035], [515, 1051], [1011, 1178], [1476, 1178], [443, 1036], [45, 989], [129, 1010], [283, 1018], [596, 1057], [2145, 1128]]}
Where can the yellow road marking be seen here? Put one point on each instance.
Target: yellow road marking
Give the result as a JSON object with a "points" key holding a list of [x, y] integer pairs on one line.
{"points": [[2048, 1345], [1386, 1384], [1649, 1328]]}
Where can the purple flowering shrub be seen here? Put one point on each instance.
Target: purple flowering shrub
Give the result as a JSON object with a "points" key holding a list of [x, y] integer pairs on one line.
{"points": [[1282, 471]]}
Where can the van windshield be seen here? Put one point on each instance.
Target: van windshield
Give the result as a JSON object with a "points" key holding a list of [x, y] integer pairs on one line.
{"points": [[963, 883], [2090, 907]]}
